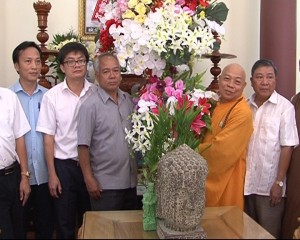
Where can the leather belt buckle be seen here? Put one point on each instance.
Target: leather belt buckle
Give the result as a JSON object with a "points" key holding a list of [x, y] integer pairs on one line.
{"points": [[9, 171]]}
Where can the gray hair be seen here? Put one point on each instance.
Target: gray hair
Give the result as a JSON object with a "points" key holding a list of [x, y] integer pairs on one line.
{"points": [[97, 59]]}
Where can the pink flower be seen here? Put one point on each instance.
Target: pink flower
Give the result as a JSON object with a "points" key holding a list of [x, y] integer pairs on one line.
{"points": [[153, 97], [123, 5], [184, 101], [203, 102], [169, 91], [153, 79], [179, 85], [177, 93], [155, 110], [197, 124], [169, 81]]}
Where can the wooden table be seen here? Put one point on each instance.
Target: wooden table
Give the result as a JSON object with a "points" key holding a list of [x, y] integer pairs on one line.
{"points": [[217, 222]]}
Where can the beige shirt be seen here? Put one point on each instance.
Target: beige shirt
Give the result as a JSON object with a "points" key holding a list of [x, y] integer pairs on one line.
{"points": [[274, 126]]}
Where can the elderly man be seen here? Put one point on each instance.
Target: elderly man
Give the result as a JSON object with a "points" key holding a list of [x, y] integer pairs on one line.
{"points": [[270, 148], [109, 170]]}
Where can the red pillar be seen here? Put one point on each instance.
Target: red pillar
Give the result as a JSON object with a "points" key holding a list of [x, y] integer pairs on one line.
{"points": [[278, 41]]}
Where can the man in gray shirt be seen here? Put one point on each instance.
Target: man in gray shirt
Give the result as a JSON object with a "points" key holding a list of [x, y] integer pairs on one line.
{"points": [[109, 171]]}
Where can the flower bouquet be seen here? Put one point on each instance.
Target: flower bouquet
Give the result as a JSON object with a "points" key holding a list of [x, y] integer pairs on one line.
{"points": [[167, 114], [160, 39], [158, 34]]}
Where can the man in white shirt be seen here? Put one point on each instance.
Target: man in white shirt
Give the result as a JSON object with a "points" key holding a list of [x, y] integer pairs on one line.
{"points": [[14, 175], [58, 121], [269, 151]]}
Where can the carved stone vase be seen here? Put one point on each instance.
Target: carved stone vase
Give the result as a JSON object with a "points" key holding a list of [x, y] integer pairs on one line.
{"points": [[149, 208], [180, 189]]}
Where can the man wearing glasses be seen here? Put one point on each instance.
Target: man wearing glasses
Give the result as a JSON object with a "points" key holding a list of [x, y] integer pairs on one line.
{"points": [[57, 120]]}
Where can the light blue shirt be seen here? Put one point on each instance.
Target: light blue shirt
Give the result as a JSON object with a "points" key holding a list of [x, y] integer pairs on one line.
{"points": [[33, 139]]}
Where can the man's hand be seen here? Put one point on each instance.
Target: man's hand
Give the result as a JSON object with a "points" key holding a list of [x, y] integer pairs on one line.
{"points": [[54, 186], [93, 187], [24, 189], [275, 195]]}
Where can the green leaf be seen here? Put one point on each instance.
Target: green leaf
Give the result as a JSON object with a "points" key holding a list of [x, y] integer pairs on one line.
{"points": [[178, 59], [217, 12], [58, 38]]}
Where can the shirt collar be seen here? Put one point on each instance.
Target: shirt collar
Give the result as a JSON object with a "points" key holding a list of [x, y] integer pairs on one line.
{"points": [[272, 99], [87, 85], [105, 96], [18, 88]]}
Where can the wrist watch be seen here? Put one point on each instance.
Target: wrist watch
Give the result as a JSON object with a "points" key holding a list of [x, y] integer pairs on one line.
{"points": [[26, 174], [279, 183]]}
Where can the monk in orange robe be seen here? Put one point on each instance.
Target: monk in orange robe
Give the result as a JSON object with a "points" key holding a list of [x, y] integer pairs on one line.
{"points": [[224, 148]]}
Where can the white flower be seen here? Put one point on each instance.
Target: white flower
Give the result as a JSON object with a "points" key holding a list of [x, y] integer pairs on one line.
{"points": [[182, 68], [144, 106], [138, 136], [139, 45], [171, 103], [199, 93], [215, 26]]}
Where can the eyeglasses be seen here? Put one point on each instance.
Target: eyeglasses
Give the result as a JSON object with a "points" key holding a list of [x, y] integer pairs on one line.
{"points": [[71, 63]]}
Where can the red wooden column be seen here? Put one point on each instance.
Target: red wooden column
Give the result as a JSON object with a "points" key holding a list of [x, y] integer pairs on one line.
{"points": [[278, 41]]}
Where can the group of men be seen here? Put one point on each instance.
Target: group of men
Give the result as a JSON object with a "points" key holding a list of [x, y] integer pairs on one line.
{"points": [[44, 134], [251, 143], [43, 123]]}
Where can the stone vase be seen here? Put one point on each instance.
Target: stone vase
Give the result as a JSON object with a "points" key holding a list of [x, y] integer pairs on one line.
{"points": [[149, 208]]}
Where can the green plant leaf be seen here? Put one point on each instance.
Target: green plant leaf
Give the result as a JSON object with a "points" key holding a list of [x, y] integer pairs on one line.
{"points": [[217, 12]]}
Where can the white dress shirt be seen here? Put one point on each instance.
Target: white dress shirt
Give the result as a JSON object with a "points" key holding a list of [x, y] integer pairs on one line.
{"points": [[274, 126], [13, 125], [58, 117]]}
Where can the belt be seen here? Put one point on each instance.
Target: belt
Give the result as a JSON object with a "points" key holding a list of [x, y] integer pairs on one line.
{"points": [[8, 170], [68, 161]]}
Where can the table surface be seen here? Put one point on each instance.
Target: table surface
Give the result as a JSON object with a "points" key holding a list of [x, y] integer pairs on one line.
{"points": [[218, 222]]}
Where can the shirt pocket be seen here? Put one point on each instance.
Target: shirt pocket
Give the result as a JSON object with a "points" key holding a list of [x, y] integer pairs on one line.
{"points": [[271, 129]]}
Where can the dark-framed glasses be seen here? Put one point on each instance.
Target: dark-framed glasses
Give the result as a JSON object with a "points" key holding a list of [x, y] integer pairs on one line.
{"points": [[71, 63]]}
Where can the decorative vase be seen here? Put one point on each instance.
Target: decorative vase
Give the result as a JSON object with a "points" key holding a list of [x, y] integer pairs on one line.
{"points": [[149, 208]]}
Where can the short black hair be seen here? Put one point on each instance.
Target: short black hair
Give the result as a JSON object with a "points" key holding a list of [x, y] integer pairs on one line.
{"points": [[72, 47], [264, 63], [21, 47]]}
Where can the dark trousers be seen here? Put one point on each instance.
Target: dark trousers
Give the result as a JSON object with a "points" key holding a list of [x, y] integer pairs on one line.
{"points": [[40, 205], [73, 201], [11, 225], [258, 207], [123, 199]]}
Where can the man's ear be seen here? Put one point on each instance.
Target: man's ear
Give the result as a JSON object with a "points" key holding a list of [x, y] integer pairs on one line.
{"points": [[251, 80], [17, 67], [62, 68]]}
